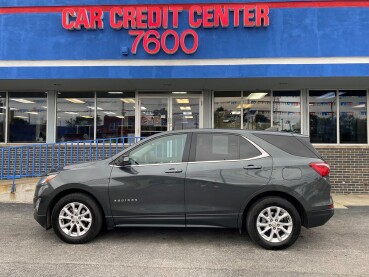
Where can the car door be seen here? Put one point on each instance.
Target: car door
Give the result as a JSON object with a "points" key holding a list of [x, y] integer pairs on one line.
{"points": [[223, 170], [150, 189]]}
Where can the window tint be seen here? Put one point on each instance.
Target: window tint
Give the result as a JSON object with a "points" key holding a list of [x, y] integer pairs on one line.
{"points": [[247, 150], [227, 109], [287, 111], [27, 116], [323, 116], [167, 149], [353, 117], [215, 147], [290, 144]]}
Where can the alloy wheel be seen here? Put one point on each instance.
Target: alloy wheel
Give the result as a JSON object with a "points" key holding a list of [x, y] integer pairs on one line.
{"points": [[274, 224], [75, 219]]}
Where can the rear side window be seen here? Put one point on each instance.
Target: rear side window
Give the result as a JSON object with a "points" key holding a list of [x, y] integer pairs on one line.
{"points": [[215, 147], [247, 150], [306, 142], [290, 144]]}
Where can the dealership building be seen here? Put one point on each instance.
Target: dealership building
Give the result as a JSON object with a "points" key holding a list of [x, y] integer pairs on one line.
{"points": [[81, 70]]}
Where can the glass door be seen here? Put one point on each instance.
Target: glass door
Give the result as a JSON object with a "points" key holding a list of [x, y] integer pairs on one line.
{"points": [[185, 113], [162, 113], [153, 115]]}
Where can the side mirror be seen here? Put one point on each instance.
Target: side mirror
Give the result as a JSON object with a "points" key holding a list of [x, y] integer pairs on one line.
{"points": [[123, 161]]}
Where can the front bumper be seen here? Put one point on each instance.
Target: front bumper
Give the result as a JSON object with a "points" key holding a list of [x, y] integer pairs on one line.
{"points": [[41, 219], [318, 218]]}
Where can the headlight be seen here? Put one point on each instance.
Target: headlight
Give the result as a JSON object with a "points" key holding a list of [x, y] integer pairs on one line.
{"points": [[47, 179]]}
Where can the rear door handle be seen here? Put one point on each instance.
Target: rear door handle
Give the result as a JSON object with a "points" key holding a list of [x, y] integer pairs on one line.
{"points": [[173, 170], [251, 166]]}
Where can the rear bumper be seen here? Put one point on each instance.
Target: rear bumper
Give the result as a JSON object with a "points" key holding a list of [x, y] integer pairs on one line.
{"points": [[318, 218]]}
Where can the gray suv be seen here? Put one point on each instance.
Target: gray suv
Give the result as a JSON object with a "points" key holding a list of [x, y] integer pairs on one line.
{"points": [[268, 183]]}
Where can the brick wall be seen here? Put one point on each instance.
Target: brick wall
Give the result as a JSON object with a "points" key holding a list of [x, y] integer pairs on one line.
{"points": [[349, 168]]}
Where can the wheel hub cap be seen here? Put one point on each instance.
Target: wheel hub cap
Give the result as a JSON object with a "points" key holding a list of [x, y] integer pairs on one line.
{"points": [[274, 224], [75, 219]]}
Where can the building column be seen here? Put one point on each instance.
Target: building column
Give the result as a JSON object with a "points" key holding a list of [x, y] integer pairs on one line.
{"points": [[304, 102], [207, 109], [51, 116]]}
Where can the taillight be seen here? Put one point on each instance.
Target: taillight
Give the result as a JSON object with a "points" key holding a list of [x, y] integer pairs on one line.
{"points": [[322, 168]]}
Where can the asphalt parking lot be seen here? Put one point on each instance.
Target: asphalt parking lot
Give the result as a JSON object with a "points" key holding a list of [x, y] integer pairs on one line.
{"points": [[341, 247]]}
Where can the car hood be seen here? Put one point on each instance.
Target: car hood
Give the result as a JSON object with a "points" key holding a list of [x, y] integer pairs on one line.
{"points": [[80, 165]]}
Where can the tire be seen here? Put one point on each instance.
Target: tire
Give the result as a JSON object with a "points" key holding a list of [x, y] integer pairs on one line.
{"points": [[269, 229], [81, 226]]}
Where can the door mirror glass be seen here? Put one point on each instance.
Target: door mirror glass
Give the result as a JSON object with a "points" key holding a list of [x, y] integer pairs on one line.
{"points": [[123, 161]]}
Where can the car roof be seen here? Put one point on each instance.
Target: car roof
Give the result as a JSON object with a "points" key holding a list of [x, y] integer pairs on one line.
{"points": [[235, 131]]}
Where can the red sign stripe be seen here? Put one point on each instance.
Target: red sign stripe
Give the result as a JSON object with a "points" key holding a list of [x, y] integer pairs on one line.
{"points": [[275, 5]]}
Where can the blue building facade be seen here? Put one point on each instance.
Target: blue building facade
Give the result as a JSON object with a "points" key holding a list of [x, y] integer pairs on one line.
{"points": [[74, 70]]}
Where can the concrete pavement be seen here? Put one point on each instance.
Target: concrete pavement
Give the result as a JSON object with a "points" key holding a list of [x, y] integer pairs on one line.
{"points": [[339, 248]]}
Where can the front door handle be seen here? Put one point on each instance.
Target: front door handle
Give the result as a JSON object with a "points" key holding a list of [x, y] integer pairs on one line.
{"points": [[251, 166], [173, 170]]}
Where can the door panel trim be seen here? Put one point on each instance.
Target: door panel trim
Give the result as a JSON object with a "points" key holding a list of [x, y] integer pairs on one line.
{"points": [[229, 220], [221, 161], [151, 221]]}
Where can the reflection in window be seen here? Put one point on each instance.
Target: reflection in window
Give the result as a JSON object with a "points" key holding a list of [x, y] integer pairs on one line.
{"points": [[154, 115], [186, 113], [323, 116], [287, 111], [2, 116], [27, 116], [256, 110], [215, 147], [353, 117], [115, 114], [227, 109], [168, 149], [75, 116]]}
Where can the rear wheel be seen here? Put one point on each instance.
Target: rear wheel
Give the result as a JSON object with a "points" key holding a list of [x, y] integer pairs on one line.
{"points": [[273, 223], [76, 218]]}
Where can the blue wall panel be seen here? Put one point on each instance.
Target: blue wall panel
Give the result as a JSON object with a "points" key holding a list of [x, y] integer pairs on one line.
{"points": [[293, 32], [190, 72], [307, 32]]}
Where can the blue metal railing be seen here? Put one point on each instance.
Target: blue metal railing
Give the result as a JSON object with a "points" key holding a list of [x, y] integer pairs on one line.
{"points": [[37, 159]]}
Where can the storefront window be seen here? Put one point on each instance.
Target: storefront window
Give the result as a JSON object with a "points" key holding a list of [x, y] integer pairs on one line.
{"points": [[256, 110], [2, 115], [323, 116], [115, 114], [27, 116], [287, 111], [353, 117], [75, 116], [227, 109], [185, 113]]}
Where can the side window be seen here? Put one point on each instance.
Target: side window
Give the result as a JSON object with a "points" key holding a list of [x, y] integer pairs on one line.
{"points": [[216, 147], [247, 150], [168, 149]]}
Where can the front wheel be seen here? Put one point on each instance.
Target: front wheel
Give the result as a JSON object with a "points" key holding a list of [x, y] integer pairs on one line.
{"points": [[273, 223], [76, 218]]}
